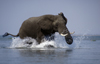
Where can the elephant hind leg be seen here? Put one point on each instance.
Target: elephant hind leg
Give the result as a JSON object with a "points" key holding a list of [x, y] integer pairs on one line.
{"points": [[22, 35]]}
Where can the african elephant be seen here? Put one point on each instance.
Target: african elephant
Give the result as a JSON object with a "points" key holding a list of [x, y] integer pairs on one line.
{"points": [[46, 25]]}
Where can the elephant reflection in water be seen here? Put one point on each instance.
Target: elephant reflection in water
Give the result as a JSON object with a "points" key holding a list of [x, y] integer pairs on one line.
{"points": [[44, 26], [38, 52]]}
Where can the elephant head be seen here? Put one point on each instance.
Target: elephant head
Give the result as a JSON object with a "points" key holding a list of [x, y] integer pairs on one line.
{"points": [[56, 23], [62, 29]]}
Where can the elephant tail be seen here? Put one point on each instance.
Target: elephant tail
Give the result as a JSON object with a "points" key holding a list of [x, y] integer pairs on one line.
{"points": [[6, 34]]}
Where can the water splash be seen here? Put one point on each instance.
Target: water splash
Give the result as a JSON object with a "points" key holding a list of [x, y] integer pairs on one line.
{"points": [[78, 40], [18, 43], [59, 42]]}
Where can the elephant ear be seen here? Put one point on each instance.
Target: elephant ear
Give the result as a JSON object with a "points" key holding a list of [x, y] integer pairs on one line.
{"points": [[61, 14], [45, 23]]}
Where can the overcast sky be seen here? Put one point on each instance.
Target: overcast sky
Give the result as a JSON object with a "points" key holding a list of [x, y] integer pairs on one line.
{"points": [[83, 15]]}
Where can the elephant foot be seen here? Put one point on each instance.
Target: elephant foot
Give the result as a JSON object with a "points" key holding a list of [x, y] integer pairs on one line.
{"points": [[49, 46], [29, 43]]}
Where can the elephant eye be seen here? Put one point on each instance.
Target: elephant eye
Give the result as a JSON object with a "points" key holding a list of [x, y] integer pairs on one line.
{"points": [[56, 24], [65, 23]]}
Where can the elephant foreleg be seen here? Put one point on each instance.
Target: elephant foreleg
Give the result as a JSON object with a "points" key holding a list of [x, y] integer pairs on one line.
{"points": [[40, 37], [50, 37]]}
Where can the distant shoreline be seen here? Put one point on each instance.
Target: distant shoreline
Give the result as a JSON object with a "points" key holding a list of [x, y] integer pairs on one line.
{"points": [[73, 35], [85, 35]]}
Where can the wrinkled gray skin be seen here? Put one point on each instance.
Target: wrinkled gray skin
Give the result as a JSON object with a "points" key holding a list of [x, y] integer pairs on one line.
{"points": [[46, 25]]}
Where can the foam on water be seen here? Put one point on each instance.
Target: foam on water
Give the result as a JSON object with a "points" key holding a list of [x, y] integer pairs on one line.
{"points": [[59, 42]]}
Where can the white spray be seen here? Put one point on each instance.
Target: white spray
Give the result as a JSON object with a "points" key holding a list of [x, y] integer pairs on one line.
{"points": [[79, 39], [59, 42]]}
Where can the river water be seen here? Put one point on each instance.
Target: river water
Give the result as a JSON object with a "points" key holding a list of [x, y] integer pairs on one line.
{"points": [[84, 50]]}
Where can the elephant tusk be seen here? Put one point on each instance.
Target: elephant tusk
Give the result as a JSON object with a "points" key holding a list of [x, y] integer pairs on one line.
{"points": [[64, 34], [72, 32], [67, 34]]}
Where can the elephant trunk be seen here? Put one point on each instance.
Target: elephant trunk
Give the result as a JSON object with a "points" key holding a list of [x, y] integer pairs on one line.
{"points": [[65, 32], [69, 39], [67, 35]]}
